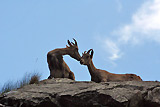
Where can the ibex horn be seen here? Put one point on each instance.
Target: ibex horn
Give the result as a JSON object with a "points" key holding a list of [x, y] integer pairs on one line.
{"points": [[69, 43], [72, 43], [75, 41], [89, 51]]}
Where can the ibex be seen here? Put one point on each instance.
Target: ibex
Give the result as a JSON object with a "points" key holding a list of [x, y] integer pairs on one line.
{"points": [[98, 75], [58, 67]]}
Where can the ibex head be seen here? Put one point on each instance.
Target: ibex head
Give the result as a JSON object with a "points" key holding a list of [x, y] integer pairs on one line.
{"points": [[86, 57], [73, 50]]}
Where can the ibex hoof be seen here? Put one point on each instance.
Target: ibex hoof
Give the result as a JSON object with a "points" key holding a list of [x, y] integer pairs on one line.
{"points": [[50, 77]]}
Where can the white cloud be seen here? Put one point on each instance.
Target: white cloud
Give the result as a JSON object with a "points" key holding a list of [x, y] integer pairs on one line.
{"points": [[112, 48], [145, 24]]}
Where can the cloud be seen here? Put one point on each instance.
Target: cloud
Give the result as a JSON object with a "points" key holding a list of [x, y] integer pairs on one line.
{"points": [[145, 25], [112, 49]]}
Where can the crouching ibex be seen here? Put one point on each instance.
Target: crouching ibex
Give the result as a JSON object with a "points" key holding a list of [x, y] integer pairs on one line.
{"points": [[98, 75], [58, 67]]}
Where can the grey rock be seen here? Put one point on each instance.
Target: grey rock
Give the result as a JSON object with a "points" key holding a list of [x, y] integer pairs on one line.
{"points": [[69, 93], [1, 105]]}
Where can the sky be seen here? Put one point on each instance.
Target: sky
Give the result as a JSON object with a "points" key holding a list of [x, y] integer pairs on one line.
{"points": [[124, 34]]}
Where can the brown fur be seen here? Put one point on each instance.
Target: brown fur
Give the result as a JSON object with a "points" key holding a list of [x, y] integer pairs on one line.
{"points": [[58, 67], [98, 75]]}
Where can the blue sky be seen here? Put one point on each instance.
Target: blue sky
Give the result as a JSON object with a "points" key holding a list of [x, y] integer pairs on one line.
{"points": [[125, 36]]}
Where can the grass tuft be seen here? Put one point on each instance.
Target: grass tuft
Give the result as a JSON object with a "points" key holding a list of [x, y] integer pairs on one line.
{"points": [[31, 78], [35, 78]]}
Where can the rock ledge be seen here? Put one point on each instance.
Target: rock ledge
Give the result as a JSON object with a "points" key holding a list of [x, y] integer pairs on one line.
{"points": [[68, 93]]}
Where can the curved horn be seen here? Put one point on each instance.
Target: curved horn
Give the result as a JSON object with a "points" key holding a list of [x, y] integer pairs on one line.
{"points": [[89, 51], [75, 41], [69, 43], [72, 43]]}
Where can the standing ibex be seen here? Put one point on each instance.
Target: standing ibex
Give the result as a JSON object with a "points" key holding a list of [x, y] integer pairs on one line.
{"points": [[98, 75], [58, 67]]}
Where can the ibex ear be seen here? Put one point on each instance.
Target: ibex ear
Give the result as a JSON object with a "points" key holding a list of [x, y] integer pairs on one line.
{"points": [[91, 53], [67, 46]]}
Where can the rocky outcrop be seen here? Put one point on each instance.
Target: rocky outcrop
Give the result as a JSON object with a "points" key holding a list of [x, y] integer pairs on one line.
{"points": [[68, 93]]}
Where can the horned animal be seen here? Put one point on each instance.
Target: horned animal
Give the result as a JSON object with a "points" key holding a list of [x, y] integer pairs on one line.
{"points": [[57, 66], [98, 75]]}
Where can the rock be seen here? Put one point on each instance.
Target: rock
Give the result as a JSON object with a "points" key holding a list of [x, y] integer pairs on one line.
{"points": [[69, 93], [1, 105]]}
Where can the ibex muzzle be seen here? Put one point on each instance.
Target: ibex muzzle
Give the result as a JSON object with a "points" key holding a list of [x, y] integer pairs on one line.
{"points": [[74, 50]]}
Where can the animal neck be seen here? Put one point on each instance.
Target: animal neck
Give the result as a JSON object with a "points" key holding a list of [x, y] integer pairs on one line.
{"points": [[63, 51], [92, 69]]}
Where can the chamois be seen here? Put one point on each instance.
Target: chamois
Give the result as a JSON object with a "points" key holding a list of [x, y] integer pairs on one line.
{"points": [[98, 75], [57, 66]]}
